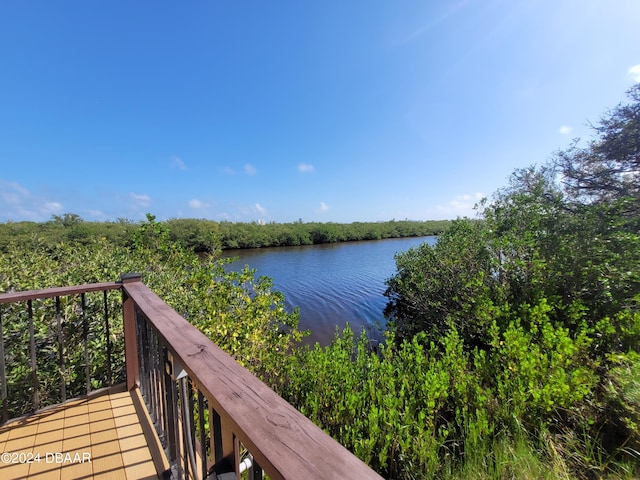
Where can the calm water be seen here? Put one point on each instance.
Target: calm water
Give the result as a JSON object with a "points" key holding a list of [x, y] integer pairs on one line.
{"points": [[332, 284]]}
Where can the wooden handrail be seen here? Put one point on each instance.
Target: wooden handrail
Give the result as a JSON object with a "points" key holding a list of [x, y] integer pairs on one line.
{"points": [[11, 297], [282, 440], [28, 297]]}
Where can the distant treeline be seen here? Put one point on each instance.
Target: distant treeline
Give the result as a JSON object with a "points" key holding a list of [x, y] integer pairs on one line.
{"points": [[202, 235]]}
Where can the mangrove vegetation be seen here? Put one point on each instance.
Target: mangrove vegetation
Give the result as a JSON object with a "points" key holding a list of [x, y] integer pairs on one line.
{"points": [[207, 236], [512, 344]]}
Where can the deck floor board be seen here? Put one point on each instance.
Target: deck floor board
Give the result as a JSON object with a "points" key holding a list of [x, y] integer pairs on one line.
{"points": [[99, 437]]}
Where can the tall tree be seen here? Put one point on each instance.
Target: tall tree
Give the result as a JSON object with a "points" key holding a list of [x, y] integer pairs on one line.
{"points": [[573, 244], [607, 170]]}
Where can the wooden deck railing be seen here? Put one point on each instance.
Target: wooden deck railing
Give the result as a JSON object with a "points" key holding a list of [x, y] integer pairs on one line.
{"points": [[55, 331], [213, 417]]}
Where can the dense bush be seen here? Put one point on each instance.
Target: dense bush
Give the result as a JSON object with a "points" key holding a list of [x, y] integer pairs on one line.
{"points": [[204, 235], [514, 342], [435, 285], [419, 409], [208, 236], [543, 292], [239, 312]]}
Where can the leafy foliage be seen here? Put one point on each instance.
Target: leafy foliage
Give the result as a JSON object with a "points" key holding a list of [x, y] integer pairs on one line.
{"points": [[201, 234], [207, 236], [240, 313], [543, 294], [608, 169], [420, 409], [513, 347], [434, 284]]}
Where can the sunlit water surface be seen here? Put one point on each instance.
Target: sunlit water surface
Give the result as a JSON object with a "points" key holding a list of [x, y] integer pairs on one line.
{"points": [[332, 284]]}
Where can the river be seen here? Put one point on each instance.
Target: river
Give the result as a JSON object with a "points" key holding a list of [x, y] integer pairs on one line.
{"points": [[332, 284]]}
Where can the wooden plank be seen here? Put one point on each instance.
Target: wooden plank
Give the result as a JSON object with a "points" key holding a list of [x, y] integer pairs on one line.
{"points": [[77, 439], [20, 440], [4, 436], [136, 457], [48, 440], [81, 426], [284, 442], [12, 297], [161, 464], [106, 459]]}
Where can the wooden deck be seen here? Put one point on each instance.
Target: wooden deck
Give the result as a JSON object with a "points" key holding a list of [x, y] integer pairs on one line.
{"points": [[99, 437], [109, 435]]}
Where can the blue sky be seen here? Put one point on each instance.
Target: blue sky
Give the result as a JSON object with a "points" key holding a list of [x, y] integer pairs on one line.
{"points": [[356, 110]]}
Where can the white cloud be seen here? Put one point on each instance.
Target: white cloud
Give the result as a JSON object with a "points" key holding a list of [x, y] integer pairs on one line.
{"points": [[12, 193], [460, 206], [306, 168], [634, 73], [248, 169], [195, 203], [177, 162], [260, 209], [323, 207], [96, 213], [53, 207], [141, 199], [18, 203], [245, 212], [19, 188], [565, 129], [10, 198]]}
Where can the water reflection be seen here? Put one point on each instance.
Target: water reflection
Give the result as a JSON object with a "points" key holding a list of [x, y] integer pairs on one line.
{"points": [[332, 284]]}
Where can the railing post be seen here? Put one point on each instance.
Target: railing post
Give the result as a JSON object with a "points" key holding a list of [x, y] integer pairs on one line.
{"points": [[130, 337], [3, 375]]}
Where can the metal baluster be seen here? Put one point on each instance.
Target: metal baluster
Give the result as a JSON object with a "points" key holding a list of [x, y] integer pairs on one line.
{"points": [[3, 374], [85, 334], [148, 352], [148, 363], [108, 335], [158, 379], [190, 427], [225, 444], [180, 447], [255, 472], [143, 354], [170, 400], [236, 455], [154, 376], [159, 383], [203, 435], [163, 394], [186, 425], [32, 347], [139, 346], [153, 410], [63, 379], [216, 431]]}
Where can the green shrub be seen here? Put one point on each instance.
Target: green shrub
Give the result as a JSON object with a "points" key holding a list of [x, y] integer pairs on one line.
{"points": [[239, 312]]}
